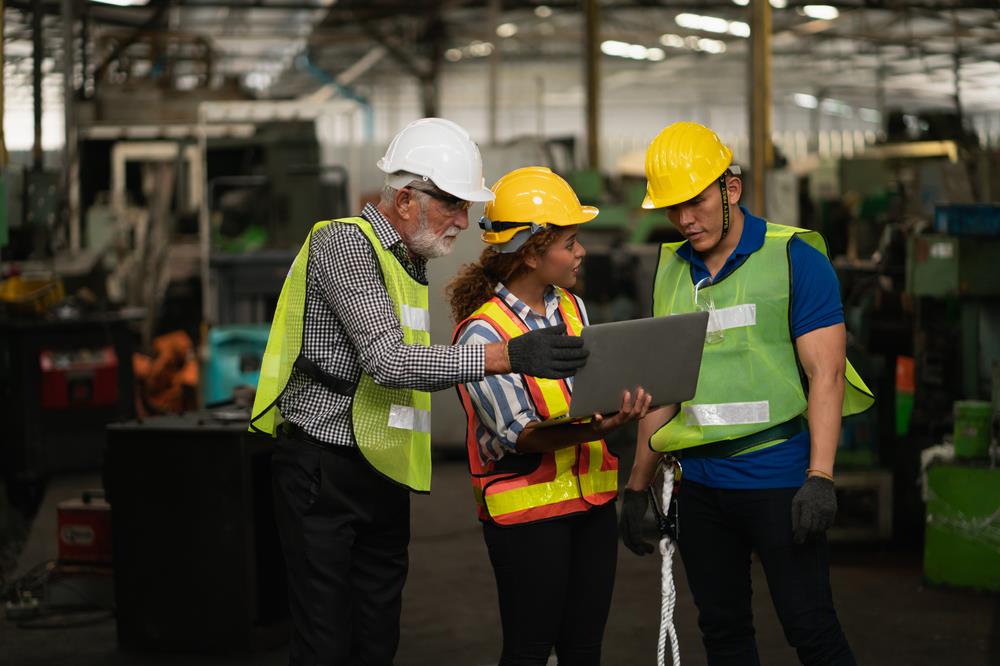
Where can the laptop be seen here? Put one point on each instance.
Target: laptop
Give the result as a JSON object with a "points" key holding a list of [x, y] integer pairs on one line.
{"points": [[660, 354]]}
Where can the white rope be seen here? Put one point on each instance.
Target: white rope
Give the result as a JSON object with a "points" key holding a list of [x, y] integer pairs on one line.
{"points": [[667, 590]]}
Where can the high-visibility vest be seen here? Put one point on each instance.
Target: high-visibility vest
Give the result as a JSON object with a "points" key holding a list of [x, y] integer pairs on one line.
{"points": [[751, 393], [566, 481], [392, 426]]}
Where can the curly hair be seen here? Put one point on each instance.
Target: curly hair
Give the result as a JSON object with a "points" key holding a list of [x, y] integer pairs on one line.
{"points": [[475, 282]]}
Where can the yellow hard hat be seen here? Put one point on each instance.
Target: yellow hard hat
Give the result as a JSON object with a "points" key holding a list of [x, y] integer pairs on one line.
{"points": [[681, 161], [528, 199]]}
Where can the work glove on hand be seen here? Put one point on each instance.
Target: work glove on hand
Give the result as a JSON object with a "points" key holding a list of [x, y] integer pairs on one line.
{"points": [[813, 508], [547, 352], [634, 505]]}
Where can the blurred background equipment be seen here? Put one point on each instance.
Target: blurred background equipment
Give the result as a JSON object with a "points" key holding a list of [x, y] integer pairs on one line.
{"points": [[161, 163]]}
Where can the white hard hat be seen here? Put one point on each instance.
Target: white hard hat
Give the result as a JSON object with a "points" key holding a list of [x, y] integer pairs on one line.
{"points": [[441, 151]]}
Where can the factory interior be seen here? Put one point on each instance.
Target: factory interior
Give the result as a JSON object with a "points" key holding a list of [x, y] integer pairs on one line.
{"points": [[163, 161]]}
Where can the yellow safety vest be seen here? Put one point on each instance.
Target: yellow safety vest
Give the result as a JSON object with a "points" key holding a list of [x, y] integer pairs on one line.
{"points": [[391, 425], [750, 392]]}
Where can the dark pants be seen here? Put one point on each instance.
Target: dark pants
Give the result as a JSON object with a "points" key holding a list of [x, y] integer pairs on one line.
{"points": [[718, 531], [554, 582], [344, 531]]}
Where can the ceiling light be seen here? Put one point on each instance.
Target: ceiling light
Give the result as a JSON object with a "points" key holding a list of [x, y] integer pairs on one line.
{"points": [[655, 54], [613, 47], [822, 12], [481, 48], [805, 101], [637, 52], [124, 3], [673, 41], [506, 30], [543, 11], [712, 45], [453, 55], [741, 3], [779, 4], [699, 22], [739, 29]]}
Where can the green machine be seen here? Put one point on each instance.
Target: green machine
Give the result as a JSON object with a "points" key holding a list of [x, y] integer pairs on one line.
{"points": [[962, 541], [963, 271]]}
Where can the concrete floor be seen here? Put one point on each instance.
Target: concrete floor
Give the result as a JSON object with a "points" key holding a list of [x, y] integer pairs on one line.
{"points": [[450, 615]]}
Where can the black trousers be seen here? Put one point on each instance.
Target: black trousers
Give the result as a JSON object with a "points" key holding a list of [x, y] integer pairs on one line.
{"points": [[718, 531], [344, 532], [554, 582]]}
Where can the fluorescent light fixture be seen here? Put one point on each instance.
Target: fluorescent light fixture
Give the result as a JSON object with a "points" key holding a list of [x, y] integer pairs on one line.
{"points": [[699, 22], [613, 47], [543, 11], [741, 3], [480, 49], [739, 29], [779, 4], [822, 12], [712, 24], [712, 45], [506, 30], [805, 101], [123, 3], [453, 55], [673, 41]]}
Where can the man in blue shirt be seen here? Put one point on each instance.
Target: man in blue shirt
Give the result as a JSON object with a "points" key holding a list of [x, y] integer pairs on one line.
{"points": [[766, 485]]}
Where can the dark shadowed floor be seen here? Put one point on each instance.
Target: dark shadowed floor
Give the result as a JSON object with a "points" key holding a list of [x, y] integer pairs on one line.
{"points": [[450, 614]]}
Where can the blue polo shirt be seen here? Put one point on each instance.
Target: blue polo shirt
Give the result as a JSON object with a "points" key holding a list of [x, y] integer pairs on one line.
{"points": [[815, 304]]}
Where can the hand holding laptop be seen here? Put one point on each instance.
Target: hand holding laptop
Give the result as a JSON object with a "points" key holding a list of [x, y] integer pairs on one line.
{"points": [[635, 405]]}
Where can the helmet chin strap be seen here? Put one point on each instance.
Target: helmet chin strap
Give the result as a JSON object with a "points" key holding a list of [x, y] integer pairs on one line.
{"points": [[725, 206]]}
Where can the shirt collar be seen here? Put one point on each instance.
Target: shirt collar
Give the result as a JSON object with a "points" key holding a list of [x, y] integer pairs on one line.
{"points": [[521, 308], [384, 231], [393, 242], [751, 240]]}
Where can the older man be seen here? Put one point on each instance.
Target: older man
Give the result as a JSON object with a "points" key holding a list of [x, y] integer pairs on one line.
{"points": [[344, 386]]}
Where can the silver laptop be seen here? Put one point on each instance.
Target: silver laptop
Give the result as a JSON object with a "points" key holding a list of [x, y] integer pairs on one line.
{"points": [[660, 354]]}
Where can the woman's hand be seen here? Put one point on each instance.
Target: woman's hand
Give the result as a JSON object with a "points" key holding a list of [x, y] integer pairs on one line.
{"points": [[633, 409]]}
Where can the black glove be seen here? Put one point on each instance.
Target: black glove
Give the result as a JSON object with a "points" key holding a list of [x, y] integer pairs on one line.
{"points": [[813, 508], [547, 352], [634, 505]]}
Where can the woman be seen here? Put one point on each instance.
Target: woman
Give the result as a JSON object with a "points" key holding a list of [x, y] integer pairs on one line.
{"points": [[545, 494]]}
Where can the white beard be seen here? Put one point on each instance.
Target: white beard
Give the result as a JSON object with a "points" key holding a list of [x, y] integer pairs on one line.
{"points": [[426, 243]]}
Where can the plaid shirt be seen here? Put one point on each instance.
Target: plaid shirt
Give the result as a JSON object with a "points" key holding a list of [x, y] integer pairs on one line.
{"points": [[351, 327]]}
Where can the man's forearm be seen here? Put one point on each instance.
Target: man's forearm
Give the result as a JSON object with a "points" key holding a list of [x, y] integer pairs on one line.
{"points": [[826, 395], [497, 362], [644, 464]]}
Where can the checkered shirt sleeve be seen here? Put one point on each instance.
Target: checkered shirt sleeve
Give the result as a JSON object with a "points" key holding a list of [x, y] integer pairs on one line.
{"points": [[351, 326]]}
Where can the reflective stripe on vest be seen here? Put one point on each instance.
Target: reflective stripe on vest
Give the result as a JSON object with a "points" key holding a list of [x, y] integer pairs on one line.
{"points": [[391, 425], [750, 379], [566, 481]]}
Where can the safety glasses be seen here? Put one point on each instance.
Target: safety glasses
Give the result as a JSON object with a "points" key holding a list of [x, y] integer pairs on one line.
{"points": [[451, 203]]}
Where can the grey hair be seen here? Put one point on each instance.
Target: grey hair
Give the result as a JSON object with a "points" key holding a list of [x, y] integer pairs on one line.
{"points": [[388, 195]]}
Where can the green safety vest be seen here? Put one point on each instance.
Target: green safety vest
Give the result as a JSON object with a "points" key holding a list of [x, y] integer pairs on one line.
{"points": [[751, 392], [391, 425]]}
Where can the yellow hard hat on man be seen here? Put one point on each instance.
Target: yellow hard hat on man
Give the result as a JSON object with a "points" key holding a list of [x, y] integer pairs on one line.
{"points": [[681, 162], [527, 200]]}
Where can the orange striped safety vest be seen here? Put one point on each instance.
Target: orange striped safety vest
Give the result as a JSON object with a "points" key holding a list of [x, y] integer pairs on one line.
{"points": [[570, 480]]}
